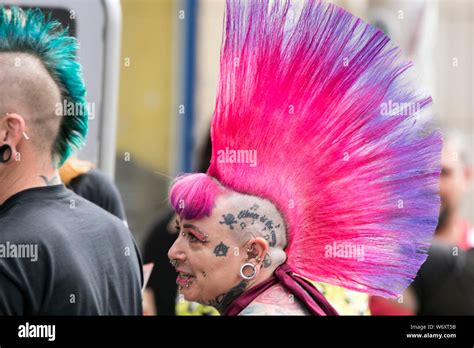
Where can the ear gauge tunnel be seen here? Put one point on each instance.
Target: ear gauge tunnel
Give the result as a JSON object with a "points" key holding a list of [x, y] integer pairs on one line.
{"points": [[5, 153]]}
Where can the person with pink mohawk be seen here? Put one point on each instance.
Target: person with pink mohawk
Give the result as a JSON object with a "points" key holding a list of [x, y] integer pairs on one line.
{"points": [[321, 169]]}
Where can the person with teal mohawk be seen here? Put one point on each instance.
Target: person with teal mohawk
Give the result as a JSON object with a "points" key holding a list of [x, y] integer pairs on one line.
{"points": [[59, 254], [36, 36]]}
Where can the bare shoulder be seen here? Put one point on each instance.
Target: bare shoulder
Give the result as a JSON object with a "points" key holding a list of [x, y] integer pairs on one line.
{"points": [[275, 301]]}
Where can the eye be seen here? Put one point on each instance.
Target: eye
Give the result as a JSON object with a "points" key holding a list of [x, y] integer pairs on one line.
{"points": [[190, 237]]}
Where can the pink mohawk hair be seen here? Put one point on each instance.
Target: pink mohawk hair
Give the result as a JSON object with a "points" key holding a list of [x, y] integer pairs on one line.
{"points": [[193, 195], [310, 89]]}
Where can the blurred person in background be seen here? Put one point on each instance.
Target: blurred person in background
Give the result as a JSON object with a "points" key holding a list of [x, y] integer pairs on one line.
{"points": [[455, 178], [445, 283], [90, 183]]}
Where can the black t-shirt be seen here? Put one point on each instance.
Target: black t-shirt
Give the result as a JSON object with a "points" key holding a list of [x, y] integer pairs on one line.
{"points": [[98, 189], [445, 283], [163, 278], [86, 261]]}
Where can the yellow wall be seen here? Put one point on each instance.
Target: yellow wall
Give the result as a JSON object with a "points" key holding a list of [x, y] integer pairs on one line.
{"points": [[145, 85]]}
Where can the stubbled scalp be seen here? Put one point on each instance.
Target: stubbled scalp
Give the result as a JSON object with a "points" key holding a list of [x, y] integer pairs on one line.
{"points": [[249, 217], [31, 32], [29, 90]]}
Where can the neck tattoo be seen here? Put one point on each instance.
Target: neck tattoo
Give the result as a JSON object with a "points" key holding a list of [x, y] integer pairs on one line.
{"points": [[223, 301], [50, 182]]}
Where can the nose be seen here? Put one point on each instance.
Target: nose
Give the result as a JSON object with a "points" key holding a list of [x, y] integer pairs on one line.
{"points": [[176, 251]]}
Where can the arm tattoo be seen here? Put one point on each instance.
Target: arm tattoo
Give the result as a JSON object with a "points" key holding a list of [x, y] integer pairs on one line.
{"points": [[53, 181], [221, 249], [223, 301]]}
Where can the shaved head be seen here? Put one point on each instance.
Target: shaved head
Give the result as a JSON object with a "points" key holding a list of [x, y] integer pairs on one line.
{"points": [[28, 89], [255, 217]]}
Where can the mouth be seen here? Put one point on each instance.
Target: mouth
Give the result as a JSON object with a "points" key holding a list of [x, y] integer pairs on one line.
{"points": [[184, 279]]}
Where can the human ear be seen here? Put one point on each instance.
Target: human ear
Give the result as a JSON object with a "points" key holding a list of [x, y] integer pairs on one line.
{"points": [[12, 130], [257, 248]]}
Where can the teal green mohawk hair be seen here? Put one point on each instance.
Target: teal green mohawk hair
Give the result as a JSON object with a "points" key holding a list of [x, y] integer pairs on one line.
{"points": [[33, 32]]}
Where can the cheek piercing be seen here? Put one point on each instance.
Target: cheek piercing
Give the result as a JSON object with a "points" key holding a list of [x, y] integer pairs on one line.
{"points": [[204, 274]]}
